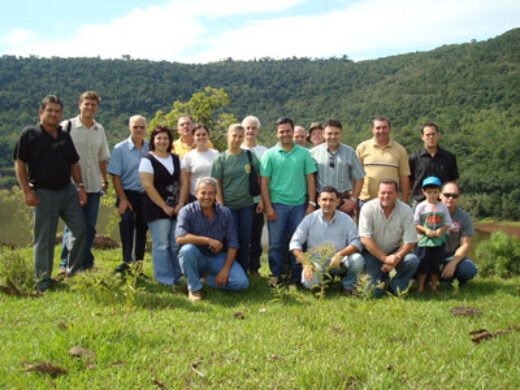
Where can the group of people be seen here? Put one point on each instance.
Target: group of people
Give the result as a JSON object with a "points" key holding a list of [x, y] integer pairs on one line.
{"points": [[205, 210]]}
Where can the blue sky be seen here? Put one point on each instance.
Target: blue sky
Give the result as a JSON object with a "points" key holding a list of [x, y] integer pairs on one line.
{"points": [[201, 31]]}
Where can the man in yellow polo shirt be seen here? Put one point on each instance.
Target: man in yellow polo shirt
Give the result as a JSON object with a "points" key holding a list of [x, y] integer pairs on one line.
{"points": [[185, 143], [383, 158]]}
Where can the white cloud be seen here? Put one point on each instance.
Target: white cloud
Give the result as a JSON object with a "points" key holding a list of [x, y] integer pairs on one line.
{"points": [[184, 31]]}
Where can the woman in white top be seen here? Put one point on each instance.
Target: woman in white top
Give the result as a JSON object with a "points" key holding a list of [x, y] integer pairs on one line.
{"points": [[166, 184], [199, 160]]}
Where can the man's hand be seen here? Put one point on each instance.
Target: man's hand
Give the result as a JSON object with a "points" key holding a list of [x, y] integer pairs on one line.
{"points": [[348, 205], [449, 270], [271, 214], [82, 196], [307, 273], [123, 205], [222, 277], [104, 186], [392, 260], [387, 267], [169, 211], [215, 245], [30, 198], [335, 262], [260, 207], [310, 208]]}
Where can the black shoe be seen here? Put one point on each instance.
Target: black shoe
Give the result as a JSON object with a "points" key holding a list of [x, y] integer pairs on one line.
{"points": [[123, 267]]}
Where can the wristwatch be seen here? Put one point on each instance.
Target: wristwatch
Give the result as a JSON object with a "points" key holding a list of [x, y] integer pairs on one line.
{"points": [[312, 203]]}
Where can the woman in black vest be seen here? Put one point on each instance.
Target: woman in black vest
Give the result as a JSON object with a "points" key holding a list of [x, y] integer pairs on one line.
{"points": [[166, 184]]}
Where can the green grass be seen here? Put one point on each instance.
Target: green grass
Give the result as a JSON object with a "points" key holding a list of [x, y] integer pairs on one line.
{"points": [[152, 333], [498, 222]]}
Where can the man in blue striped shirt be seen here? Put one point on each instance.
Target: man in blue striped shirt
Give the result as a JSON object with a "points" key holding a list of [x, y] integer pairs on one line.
{"points": [[209, 242], [338, 166]]}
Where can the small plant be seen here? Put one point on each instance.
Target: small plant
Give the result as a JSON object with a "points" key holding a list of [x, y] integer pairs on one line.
{"points": [[16, 269], [364, 287], [317, 259], [499, 256]]}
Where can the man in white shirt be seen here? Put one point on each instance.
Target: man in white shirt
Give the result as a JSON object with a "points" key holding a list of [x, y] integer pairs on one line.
{"points": [[251, 125], [91, 144]]}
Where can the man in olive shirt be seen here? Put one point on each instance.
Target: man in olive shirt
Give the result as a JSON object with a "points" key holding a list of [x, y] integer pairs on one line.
{"points": [[49, 154], [388, 235]]}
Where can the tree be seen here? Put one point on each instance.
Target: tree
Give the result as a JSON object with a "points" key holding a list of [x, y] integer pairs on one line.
{"points": [[204, 107]]}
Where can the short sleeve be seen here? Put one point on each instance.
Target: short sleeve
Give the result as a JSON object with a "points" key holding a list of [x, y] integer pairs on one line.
{"points": [[266, 168], [145, 165], [216, 167], [310, 166], [115, 163], [404, 166]]}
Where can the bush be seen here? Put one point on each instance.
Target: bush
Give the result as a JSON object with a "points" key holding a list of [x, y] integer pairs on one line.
{"points": [[16, 267], [499, 256]]}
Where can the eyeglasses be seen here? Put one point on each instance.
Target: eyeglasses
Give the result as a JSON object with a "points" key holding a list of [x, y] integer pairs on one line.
{"points": [[448, 195], [331, 160]]}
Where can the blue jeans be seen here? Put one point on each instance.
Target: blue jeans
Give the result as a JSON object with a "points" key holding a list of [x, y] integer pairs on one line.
{"points": [[132, 228], [280, 233], [255, 249], [53, 204], [465, 271], [90, 213], [243, 219], [350, 267], [166, 269], [401, 280], [194, 263]]}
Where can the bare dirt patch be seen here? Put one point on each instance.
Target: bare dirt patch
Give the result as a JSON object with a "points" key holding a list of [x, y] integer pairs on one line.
{"points": [[494, 227]]}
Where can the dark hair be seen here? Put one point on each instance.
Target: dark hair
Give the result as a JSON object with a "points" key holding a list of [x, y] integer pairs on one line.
{"points": [[430, 124], [389, 181], [315, 125], [382, 119], [50, 99], [332, 123], [157, 130], [329, 189], [200, 126], [284, 120]]}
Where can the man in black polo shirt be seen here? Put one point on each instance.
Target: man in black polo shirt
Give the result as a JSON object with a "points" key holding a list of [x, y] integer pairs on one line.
{"points": [[50, 155], [431, 160]]}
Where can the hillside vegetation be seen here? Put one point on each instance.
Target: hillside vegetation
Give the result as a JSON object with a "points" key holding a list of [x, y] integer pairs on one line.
{"points": [[472, 91]]}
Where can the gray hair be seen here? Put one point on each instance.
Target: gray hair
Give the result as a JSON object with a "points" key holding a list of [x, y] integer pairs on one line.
{"points": [[206, 180], [251, 118], [136, 117]]}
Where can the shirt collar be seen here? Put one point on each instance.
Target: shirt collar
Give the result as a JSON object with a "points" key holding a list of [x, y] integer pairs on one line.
{"points": [[132, 146], [324, 219], [279, 148], [389, 144], [78, 123]]}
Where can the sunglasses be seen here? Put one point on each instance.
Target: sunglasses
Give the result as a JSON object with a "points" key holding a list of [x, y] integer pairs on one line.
{"points": [[331, 160], [454, 196]]}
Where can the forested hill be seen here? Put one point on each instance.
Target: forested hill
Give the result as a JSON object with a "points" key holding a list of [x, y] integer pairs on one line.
{"points": [[471, 90]]}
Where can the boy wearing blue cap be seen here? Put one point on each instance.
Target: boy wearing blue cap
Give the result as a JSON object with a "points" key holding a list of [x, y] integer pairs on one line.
{"points": [[432, 220]]}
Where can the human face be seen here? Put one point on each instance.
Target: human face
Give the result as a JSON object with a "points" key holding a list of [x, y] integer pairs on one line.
{"points": [[88, 108], [332, 136], [299, 135], [450, 196], [387, 195], [201, 137], [284, 133], [235, 139], [161, 142], [251, 130], [206, 195], [381, 132], [430, 137], [137, 128], [184, 126], [328, 202], [50, 116], [432, 194], [316, 136]]}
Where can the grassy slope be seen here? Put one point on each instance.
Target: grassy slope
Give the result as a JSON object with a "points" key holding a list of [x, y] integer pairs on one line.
{"points": [[298, 342]]}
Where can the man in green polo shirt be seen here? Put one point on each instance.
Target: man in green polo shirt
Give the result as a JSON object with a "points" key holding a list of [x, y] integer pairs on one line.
{"points": [[289, 193]]}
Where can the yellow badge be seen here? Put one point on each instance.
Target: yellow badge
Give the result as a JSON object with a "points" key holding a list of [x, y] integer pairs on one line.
{"points": [[247, 168]]}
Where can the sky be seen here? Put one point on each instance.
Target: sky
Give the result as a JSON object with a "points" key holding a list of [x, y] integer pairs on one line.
{"points": [[202, 31]]}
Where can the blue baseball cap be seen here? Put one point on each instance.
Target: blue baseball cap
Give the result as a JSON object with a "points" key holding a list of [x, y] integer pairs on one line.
{"points": [[431, 181]]}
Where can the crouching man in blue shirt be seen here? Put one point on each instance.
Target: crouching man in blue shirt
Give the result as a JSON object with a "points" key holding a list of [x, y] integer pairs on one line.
{"points": [[329, 226], [209, 242]]}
